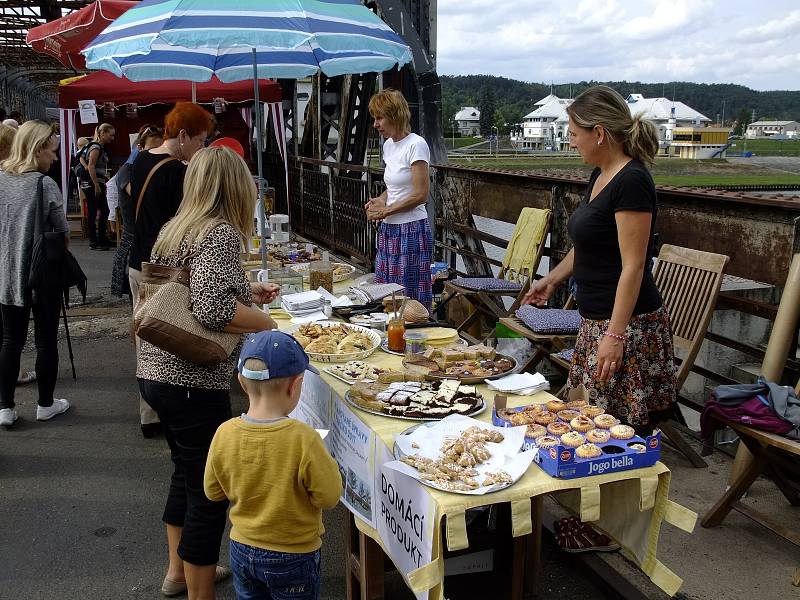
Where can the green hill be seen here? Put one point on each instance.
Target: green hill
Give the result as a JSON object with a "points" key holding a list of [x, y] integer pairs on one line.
{"points": [[514, 99]]}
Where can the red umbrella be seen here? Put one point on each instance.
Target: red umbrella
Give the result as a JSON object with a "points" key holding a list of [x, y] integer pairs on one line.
{"points": [[64, 38]]}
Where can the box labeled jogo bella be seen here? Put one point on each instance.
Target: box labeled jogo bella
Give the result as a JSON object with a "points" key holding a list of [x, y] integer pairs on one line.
{"points": [[561, 461]]}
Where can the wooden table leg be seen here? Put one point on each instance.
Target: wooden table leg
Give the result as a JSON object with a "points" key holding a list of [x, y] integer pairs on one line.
{"points": [[533, 574], [371, 568], [352, 566], [720, 510]]}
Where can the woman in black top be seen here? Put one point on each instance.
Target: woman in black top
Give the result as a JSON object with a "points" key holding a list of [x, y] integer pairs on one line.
{"points": [[623, 354]]}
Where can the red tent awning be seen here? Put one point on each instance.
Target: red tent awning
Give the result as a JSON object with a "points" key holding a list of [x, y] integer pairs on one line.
{"points": [[64, 38], [102, 86]]}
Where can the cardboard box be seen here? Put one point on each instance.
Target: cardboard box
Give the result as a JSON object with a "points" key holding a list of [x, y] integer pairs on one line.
{"points": [[561, 461]]}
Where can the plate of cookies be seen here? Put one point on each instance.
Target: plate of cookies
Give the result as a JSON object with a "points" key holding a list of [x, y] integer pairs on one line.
{"points": [[461, 455], [472, 364], [334, 342], [354, 371]]}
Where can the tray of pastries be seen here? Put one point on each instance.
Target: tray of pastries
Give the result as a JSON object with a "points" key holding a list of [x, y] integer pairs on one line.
{"points": [[354, 371], [334, 342], [472, 364], [404, 396], [341, 271], [461, 455]]}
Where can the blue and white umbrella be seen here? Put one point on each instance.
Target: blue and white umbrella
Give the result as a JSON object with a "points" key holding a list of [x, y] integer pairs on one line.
{"points": [[193, 39], [258, 39]]}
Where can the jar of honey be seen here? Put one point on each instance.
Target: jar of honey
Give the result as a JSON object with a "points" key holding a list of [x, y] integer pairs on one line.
{"points": [[395, 333]]}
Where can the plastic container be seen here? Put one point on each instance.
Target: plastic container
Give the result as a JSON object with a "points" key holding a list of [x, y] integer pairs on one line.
{"points": [[415, 342], [320, 274], [395, 334], [279, 228]]}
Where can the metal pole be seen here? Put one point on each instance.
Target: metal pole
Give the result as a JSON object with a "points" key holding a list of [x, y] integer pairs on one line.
{"points": [[259, 159]]}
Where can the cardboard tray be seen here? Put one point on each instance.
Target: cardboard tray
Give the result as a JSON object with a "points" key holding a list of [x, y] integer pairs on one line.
{"points": [[561, 461]]}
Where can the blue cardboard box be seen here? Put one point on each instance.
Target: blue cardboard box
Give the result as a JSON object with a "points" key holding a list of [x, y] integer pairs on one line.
{"points": [[560, 461]]}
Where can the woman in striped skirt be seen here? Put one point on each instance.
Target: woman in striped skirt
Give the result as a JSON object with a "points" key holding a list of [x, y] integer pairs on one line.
{"points": [[405, 242]]}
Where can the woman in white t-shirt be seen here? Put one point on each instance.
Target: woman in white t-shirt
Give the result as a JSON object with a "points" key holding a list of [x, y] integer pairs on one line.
{"points": [[405, 242]]}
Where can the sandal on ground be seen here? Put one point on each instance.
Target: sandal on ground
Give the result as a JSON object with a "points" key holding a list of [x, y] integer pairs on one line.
{"points": [[176, 588], [574, 536], [26, 377]]}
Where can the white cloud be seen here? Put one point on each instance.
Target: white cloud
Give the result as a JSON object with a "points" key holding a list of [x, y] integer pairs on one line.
{"points": [[707, 41]]}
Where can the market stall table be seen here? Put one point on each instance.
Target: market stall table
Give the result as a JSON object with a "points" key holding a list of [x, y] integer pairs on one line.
{"points": [[628, 505]]}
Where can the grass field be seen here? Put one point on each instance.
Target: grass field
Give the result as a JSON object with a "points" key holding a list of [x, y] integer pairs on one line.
{"points": [[461, 142], [766, 147]]}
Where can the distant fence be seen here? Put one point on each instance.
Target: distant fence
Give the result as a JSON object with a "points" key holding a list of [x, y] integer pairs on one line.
{"points": [[776, 187]]}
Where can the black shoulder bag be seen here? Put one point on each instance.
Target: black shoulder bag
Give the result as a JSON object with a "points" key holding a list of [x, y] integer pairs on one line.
{"points": [[53, 267]]}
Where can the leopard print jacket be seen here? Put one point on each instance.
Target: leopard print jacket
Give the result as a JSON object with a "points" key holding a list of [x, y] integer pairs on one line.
{"points": [[217, 281]]}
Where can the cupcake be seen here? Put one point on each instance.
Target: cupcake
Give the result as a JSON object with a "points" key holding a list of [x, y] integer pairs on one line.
{"points": [[592, 411], [568, 414], [588, 451], [638, 447], [547, 441], [605, 421], [545, 418], [582, 423], [573, 439], [558, 428], [622, 432], [535, 431], [556, 405], [577, 404], [598, 436]]}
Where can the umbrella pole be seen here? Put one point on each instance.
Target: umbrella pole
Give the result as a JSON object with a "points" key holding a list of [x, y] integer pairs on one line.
{"points": [[261, 211], [194, 93]]}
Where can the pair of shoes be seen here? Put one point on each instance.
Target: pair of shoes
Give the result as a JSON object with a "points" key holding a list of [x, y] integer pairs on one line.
{"points": [[8, 416], [151, 430], [97, 247], [45, 413], [26, 377], [175, 588], [572, 535]]}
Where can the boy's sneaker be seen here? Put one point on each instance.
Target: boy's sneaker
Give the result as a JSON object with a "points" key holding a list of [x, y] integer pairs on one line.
{"points": [[45, 413], [8, 417]]}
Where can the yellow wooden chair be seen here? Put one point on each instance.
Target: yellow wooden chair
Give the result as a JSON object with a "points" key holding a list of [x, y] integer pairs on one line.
{"points": [[519, 265]]}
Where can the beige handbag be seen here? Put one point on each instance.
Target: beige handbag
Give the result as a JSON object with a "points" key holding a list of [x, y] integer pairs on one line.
{"points": [[164, 318]]}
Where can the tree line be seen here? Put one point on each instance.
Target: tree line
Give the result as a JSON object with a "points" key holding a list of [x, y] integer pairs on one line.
{"points": [[507, 101]]}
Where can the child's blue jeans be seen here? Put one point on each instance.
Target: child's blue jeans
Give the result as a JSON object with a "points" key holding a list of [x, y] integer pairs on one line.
{"points": [[260, 574]]}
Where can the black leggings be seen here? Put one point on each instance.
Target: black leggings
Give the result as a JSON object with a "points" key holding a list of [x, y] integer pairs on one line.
{"points": [[97, 226], [14, 334], [190, 417]]}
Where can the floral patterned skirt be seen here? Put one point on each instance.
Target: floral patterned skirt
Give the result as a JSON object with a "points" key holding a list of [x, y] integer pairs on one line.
{"points": [[645, 383]]}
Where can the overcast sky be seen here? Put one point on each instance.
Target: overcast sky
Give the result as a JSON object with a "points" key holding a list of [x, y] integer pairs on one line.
{"points": [[750, 43]]}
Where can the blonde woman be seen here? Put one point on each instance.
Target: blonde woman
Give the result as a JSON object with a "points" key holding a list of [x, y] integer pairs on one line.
{"points": [[623, 354], [95, 160], [213, 221], [405, 241], [32, 153]]}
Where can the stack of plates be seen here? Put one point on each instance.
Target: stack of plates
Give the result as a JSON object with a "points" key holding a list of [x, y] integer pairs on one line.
{"points": [[439, 336], [302, 304]]}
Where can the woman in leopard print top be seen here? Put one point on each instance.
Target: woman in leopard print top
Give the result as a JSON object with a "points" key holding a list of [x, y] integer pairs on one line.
{"points": [[192, 400]]}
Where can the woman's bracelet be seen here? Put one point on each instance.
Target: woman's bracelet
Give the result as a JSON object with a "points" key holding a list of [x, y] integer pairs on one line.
{"points": [[616, 336]]}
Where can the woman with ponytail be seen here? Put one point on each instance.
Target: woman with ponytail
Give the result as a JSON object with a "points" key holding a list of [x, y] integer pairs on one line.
{"points": [[95, 160], [623, 354]]}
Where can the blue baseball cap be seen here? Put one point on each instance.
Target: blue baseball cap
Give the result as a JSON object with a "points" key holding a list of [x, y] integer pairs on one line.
{"points": [[283, 355]]}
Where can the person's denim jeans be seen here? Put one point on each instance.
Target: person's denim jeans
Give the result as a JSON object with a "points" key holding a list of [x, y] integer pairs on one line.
{"points": [[260, 574]]}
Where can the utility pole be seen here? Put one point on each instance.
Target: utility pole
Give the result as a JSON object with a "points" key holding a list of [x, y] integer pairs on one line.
{"points": [[723, 113]]}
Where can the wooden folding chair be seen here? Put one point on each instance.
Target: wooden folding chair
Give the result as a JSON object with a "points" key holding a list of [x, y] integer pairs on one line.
{"points": [[489, 303], [689, 282]]}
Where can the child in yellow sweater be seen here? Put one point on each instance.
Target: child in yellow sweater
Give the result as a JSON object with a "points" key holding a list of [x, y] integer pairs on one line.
{"points": [[277, 474]]}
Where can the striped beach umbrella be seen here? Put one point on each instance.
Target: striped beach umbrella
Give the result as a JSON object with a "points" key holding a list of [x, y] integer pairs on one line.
{"points": [[193, 39]]}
